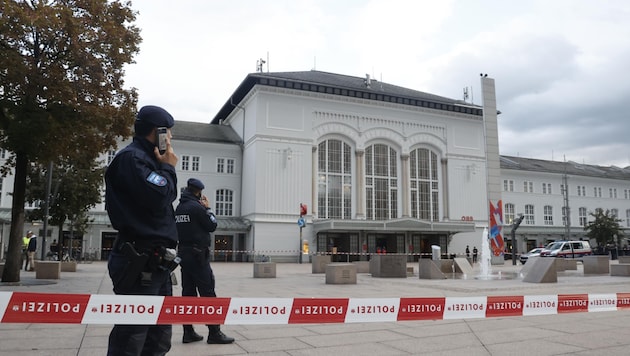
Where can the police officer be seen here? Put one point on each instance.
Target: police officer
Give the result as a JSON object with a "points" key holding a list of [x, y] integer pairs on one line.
{"points": [[195, 222], [141, 186]]}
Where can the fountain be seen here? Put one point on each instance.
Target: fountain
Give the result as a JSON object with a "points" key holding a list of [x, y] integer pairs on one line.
{"points": [[485, 262], [485, 254]]}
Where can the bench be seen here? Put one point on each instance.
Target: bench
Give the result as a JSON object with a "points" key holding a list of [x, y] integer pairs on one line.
{"points": [[341, 273], [264, 270]]}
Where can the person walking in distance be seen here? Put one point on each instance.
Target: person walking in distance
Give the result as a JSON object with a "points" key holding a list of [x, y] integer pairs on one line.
{"points": [[140, 188], [195, 221], [475, 252], [32, 247]]}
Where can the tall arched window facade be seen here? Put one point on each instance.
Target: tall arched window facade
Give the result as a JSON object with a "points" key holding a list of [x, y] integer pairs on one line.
{"points": [[334, 190], [424, 185], [381, 182]]}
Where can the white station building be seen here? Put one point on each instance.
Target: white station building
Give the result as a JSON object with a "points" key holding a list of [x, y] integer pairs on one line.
{"points": [[380, 168]]}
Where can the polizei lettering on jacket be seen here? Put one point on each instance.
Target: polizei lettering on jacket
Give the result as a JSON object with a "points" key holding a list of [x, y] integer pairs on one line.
{"points": [[182, 218], [50, 307]]}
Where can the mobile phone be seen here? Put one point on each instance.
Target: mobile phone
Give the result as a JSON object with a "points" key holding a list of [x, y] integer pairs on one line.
{"points": [[162, 135]]}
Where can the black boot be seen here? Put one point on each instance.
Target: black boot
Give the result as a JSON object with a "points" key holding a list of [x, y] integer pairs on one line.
{"points": [[190, 335], [215, 336]]}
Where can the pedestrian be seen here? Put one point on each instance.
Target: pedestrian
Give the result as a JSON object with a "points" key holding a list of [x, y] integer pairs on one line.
{"points": [[141, 186], [25, 241], [467, 252], [195, 221], [32, 247], [54, 250], [475, 254]]}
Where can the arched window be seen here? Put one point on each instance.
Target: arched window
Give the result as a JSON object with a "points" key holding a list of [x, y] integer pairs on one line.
{"points": [[334, 180], [381, 182], [425, 193]]}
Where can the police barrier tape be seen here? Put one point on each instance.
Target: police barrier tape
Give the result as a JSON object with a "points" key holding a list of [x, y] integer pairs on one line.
{"points": [[24, 307], [272, 252]]}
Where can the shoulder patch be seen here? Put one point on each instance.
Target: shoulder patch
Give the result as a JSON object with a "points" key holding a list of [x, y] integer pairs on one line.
{"points": [[156, 179]]}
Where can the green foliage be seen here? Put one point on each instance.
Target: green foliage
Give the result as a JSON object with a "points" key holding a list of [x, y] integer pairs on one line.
{"points": [[75, 190], [62, 95], [604, 227]]}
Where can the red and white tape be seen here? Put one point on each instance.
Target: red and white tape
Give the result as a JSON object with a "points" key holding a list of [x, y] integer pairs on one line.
{"points": [[21, 307]]}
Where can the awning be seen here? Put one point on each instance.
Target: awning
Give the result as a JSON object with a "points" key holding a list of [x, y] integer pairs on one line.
{"points": [[403, 224]]}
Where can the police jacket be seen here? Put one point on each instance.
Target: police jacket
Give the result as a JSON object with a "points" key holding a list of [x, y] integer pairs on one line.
{"points": [[139, 195], [194, 221]]}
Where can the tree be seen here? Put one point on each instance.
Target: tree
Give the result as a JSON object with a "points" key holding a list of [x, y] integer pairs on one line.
{"points": [[77, 189], [61, 88], [604, 227]]}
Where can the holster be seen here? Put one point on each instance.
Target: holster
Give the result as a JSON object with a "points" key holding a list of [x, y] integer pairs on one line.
{"points": [[136, 265]]}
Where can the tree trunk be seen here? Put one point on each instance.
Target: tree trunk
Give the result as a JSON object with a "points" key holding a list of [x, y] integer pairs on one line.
{"points": [[13, 264]]}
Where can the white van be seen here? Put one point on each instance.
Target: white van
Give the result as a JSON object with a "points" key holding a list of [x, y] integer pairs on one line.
{"points": [[567, 249]]}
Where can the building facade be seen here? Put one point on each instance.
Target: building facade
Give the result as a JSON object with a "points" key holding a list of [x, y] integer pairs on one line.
{"points": [[381, 168]]}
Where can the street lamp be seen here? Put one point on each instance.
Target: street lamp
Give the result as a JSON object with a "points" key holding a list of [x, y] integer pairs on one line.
{"points": [[515, 226]]}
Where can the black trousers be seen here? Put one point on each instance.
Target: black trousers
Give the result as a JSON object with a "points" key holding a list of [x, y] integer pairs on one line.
{"points": [[197, 275], [130, 340]]}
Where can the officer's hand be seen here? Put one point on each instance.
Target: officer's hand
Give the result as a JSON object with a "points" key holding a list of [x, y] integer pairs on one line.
{"points": [[204, 201], [168, 157]]}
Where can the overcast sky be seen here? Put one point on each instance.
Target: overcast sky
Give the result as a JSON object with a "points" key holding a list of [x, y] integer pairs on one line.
{"points": [[561, 66]]}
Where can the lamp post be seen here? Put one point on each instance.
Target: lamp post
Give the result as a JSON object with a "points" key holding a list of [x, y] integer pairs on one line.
{"points": [[515, 226]]}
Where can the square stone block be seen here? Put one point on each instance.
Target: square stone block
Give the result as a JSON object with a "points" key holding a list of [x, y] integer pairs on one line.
{"points": [[341, 273], [264, 270], [319, 262], [389, 266], [622, 269], [596, 264], [69, 266], [47, 269], [362, 266]]}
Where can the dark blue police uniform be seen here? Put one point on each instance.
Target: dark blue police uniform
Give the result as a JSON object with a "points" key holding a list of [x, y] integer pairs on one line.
{"points": [[194, 225], [139, 197]]}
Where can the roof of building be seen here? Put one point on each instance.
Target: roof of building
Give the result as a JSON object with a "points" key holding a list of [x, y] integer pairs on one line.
{"points": [[344, 85], [569, 167], [204, 132]]}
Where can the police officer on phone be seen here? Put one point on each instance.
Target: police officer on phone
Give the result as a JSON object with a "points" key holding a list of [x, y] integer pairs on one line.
{"points": [[195, 221], [141, 186]]}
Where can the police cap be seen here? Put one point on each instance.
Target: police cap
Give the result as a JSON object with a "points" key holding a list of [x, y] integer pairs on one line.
{"points": [[155, 116], [195, 183]]}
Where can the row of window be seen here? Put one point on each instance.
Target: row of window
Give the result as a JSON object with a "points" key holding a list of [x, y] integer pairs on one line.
{"points": [[509, 215], [528, 187], [192, 163]]}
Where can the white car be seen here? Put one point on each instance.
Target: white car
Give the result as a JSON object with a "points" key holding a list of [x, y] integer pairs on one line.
{"points": [[535, 252]]}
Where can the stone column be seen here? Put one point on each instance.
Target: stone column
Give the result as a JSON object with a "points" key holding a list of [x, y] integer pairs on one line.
{"points": [[360, 189], [445, 213], [314, 177], [406, 205]]}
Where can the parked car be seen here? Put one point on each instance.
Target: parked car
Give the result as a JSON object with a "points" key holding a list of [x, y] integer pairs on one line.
{"points": [[567, 249], [535, 252]]}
